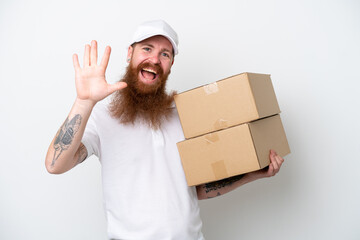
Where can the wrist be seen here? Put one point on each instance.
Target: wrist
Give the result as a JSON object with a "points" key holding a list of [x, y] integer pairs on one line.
{"points": [[85, 104], [252, 176]]}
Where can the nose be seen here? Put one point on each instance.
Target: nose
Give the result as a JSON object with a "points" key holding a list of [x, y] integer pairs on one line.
{"points": [[154, 58]]}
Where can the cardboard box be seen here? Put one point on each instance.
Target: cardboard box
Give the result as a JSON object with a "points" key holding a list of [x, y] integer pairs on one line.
{"points": [[233, 151], [225, 103]]}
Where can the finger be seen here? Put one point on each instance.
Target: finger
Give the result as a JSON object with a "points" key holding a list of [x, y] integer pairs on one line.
{"points": [[273, 161], [275, 165], [116, 86], [87, 55], [272, 152], [272, 155], [93, 55], [270, 171], [105, 58], [279, 160], [76, 62]]}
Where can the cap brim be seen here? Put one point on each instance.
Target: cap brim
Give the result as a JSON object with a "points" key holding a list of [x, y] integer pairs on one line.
{"points": [[142, 38]]}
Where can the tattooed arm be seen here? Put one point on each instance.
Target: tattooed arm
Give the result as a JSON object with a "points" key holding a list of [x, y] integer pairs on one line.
{"points": [[214, 189], [66, 149], [218, 188]]}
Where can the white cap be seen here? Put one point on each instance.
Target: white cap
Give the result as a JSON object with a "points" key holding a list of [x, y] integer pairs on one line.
{"points": [[153, 28]]}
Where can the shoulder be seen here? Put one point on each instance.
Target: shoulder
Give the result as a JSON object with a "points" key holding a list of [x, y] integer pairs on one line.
{"points": [[172, 123], [102, 106], [101, 111]]}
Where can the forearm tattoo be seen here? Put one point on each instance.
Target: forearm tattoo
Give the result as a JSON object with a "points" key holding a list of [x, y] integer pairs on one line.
{"points": [[65, 136], [213, 186]]}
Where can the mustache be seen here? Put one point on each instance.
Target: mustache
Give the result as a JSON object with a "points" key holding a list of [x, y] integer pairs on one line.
{"points": [[158, 69], [137, 87]]}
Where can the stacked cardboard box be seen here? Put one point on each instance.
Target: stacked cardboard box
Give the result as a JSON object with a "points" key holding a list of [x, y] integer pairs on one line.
{"points": [[230, 127]]}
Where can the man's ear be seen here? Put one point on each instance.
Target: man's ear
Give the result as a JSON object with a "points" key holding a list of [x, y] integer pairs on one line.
{"points": [[172, 61], [130, 52]]}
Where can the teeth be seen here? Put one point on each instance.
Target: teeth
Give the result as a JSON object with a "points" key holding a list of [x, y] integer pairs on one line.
{"points": [[149, 70]]}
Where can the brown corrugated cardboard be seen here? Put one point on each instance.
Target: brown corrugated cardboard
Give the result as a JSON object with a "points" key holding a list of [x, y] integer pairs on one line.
{"points": [[225, 103], [232, 151]]}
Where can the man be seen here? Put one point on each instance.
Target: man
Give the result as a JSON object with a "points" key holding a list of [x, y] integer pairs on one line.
{"points": [[134, 134]]}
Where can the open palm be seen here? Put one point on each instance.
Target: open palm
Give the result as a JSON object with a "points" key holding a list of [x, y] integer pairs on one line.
{"points": [[90, 80]]}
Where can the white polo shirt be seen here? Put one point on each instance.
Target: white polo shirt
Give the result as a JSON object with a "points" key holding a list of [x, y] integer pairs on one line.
{"points": [[144, 186]]}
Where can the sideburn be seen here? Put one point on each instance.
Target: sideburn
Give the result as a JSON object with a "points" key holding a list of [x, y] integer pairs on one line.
{"points": [[147, 103]]}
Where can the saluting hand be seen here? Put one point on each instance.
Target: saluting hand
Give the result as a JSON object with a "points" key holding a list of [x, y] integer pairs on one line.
{"points": [[90, 80]]}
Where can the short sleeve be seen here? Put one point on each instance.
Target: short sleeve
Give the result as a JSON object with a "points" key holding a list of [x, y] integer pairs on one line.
{"points": [[91, 137]]}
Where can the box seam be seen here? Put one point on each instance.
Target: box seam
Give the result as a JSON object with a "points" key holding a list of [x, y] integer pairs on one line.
{"points": [[256, 151]]}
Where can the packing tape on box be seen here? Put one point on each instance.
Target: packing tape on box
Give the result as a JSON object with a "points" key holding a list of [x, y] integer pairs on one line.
{"points": [[211, 88], [219, 169], [211, 138], [220, 124]]}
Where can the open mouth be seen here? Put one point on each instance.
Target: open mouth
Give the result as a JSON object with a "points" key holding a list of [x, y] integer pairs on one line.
{"points": [[148, 75]]}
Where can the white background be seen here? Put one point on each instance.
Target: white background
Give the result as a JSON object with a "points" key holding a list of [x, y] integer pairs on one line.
{"points": [[310, 48]]}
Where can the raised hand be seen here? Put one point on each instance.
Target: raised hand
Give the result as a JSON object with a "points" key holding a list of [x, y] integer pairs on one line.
{"points": [[90, 80]]}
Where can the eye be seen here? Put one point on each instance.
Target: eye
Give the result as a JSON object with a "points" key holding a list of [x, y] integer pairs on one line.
{"points": [[146, 49], [166, 55]]}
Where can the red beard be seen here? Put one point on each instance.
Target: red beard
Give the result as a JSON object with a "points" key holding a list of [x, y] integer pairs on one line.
{"points": [[143, 88], [147, 102]]}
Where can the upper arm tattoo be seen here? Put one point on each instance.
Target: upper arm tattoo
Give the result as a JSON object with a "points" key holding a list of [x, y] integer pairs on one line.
{"points": [[66, 135], [213, 186]]}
